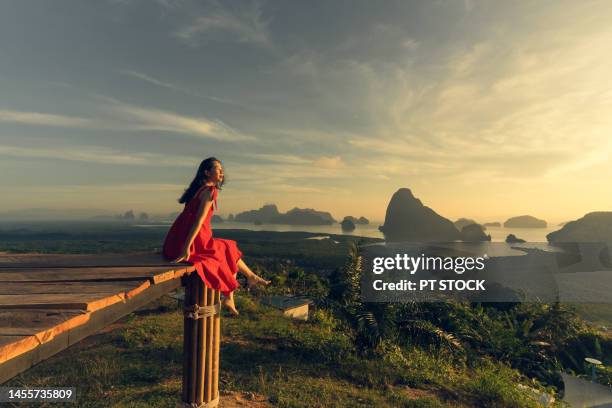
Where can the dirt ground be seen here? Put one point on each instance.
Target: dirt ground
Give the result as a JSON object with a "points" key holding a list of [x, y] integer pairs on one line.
{"points": [[242, 400]]}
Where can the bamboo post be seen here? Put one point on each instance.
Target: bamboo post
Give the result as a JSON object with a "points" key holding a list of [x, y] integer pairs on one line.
{"points": [[216, 344], [201, 349], [209, 351], [193, 343], [187, 337], [202, 335]]}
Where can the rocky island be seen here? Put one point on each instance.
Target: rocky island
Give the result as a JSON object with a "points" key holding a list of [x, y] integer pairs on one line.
{"points": [[464, 222], [474, 233], [407, 219], [357, 221], [513, 239], [524, 221], [347, 224], [269, 214]]}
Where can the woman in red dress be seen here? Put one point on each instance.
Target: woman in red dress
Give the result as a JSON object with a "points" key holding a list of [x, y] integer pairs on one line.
{"points": [[190, 239]]}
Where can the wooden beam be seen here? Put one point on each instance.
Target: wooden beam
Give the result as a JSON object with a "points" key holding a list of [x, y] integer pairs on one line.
{"points": [[97, 320], [82, 301], [12, 346], [44, 325], [153, 274], [84, 260], [21, 288]]}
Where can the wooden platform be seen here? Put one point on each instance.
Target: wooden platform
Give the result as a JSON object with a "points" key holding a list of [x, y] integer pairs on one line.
{"points": [[49, 302]]}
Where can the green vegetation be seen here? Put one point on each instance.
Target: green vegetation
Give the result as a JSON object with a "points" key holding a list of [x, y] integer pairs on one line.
{"points": [[291, 363], [539, 340]]}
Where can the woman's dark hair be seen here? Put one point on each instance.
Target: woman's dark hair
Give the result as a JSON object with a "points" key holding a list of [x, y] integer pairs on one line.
{"points": [[199, 179]]}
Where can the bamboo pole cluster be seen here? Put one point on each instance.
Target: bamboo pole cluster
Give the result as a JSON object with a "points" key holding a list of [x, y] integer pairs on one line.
{"points": [[201, 341]]}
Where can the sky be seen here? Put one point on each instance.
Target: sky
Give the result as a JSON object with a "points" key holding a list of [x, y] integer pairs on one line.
{"points": [[483, 109]]}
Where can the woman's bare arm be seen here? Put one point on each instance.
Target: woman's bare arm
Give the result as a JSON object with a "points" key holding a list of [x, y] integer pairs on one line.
{"points": [[205, 204]]}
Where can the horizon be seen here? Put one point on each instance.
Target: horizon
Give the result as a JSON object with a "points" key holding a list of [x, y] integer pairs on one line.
{"points": [[92, 213], [485, 111]]}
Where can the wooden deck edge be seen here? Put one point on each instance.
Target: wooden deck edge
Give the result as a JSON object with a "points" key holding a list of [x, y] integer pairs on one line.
{"points": [[48, 335], [12, 350], [97, 320], [89, 305], [42, 336], [172, 274], [133, 292]]}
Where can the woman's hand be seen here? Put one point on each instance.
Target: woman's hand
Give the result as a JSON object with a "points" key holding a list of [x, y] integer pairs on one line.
{"points": [[183, 257]]}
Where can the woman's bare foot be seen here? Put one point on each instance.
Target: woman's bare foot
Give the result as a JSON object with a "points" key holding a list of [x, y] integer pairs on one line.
{"points": [[254, 280], [229, 303]]}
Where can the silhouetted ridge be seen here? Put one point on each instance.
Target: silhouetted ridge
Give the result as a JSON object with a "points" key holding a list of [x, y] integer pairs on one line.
{"points": [[524, 221], [269, 214], [407, 219], [474, 233], [593, 227]]}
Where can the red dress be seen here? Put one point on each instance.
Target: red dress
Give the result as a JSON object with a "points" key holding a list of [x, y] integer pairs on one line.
{"points": [[214, 258]]}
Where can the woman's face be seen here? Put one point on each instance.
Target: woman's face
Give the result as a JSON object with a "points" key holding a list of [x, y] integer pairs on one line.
{"points": [[216, 173]]}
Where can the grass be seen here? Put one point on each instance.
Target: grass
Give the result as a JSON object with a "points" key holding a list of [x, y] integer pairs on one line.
{"points": [[599, 314], [138, 363]]}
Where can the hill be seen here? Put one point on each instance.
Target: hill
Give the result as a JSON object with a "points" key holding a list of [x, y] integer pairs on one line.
{"points": [[593, 227], [43, 214], [407, 219], [269, 214], [524, 221]]}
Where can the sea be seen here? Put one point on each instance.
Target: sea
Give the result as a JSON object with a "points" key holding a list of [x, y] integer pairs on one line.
{"points": [[498, 234]]}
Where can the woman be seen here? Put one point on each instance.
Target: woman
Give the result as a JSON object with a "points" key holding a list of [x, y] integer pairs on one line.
{"points": [[190, 239]]}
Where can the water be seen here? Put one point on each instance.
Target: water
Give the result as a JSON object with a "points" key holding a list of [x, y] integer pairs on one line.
{"points": [[498, 234]]}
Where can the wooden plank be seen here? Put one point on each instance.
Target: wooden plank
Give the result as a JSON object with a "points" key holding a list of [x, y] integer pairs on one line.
{"points": [[82, 301], [26, 288], [154, 274], [35, 317], [12, 346], [137, 290], [84, 260], [98, 320], [43, 325]]}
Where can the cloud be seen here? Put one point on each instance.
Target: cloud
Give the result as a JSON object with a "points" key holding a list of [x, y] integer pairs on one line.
{"points": [[125, 117], [99, 154], [305, 164], [167, 85], [331, 162], [79, 189], [279, 158], [280, 187], [45, 119], [154, 119], [244, 23]]}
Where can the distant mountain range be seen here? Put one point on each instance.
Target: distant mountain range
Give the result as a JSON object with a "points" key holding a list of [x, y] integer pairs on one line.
{"points": [[406, 219], [79, 214], [45, 214], [269, 214]]}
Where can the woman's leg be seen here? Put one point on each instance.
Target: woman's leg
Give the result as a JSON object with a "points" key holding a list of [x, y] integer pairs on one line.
{"points": [[252, 278], [228, 301]]}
